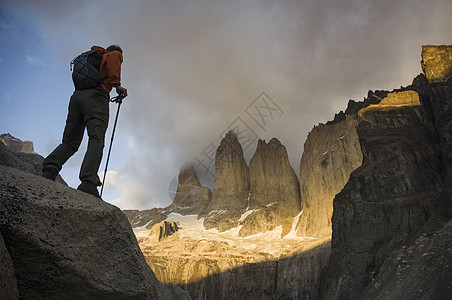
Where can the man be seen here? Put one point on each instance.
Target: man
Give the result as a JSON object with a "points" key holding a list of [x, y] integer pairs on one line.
{"points": [[88, 109]]}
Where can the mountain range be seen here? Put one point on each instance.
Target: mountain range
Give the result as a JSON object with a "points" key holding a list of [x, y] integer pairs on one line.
{"points": [[368, 218]]}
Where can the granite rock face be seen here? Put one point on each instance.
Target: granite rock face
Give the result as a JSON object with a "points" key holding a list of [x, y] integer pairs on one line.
{"points": [[395, 192], [331, 152], [421, 269], [274, 190], [8, 281], [231, 186], [68, 244], [437, 62], [272, 178], [191, 198], [298, 275]]}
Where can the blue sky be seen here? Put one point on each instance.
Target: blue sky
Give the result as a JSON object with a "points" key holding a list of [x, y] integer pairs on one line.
{"points": [[196, 68]]}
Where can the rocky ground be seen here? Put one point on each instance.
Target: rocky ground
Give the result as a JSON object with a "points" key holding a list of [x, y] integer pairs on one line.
{"points": [[66, 244]]}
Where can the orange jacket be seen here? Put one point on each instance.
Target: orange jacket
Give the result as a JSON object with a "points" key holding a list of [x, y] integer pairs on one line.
{"points": [[110, 69]]}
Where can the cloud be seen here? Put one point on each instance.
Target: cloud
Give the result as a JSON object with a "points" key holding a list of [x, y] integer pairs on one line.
{"points": [[35, 61], [193, 67]]}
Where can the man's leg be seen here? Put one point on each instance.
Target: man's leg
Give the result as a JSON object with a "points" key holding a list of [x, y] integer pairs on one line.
{"points": [[72, 137], [96, 112]]}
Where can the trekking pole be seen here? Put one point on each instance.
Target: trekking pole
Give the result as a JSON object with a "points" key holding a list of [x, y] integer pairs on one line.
{"points": [[117, 99]]}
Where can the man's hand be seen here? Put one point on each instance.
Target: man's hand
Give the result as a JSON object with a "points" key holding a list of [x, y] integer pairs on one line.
{"points": [[122, 91]]}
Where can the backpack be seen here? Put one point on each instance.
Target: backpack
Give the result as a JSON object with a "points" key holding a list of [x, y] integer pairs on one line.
{"points": [[86, 70]]}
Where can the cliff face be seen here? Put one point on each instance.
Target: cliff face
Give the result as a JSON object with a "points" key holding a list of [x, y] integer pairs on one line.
{"points": [[191, 198], [68, 244], [231, 186], [274, 190], [331, 153], [402, 186], [418, 270], [272, 178]]}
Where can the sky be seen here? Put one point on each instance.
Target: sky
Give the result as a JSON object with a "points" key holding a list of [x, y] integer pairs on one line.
{"points": [[195, 69]]}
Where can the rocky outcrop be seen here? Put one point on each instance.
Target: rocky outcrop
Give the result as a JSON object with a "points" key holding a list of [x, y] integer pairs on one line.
{"points": [[331, 152], [393, 101], [274, 190], [231, 186], [162, 230], [147, 217], [439, 94], [20, 155], [68, 244], [437, 62], [16, 145], [421, 269], [298, 275], [396, 191], [8, 281], [191, 198], [272, 178]]}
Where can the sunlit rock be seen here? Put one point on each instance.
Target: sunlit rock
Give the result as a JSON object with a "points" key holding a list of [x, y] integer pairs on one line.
{"points": [[162, 230], [437, 62], [331, 152], [274, 190], [231, 186], [394, 100]]}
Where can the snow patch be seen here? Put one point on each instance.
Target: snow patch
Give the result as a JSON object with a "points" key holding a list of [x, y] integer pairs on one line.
{"points": [[293, 231], [142, 231], [246, 214]]}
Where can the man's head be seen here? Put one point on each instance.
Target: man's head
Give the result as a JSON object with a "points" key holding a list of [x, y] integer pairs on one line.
{"points": [[114, 48]]}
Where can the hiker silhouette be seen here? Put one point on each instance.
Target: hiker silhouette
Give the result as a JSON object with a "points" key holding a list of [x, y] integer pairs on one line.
{"points": [[88, 108]]}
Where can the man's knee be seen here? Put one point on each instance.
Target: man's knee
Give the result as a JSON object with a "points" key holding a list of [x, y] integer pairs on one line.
{"points": [[71, 145], [96, 130]]}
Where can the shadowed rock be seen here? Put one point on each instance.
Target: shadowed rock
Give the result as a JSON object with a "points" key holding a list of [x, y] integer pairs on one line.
{"points": [[67, 244], [402, 186], [8, 281]]}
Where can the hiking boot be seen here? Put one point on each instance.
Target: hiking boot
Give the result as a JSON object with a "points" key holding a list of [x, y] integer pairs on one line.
{"points": [[89, 187], [50, 173]]}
